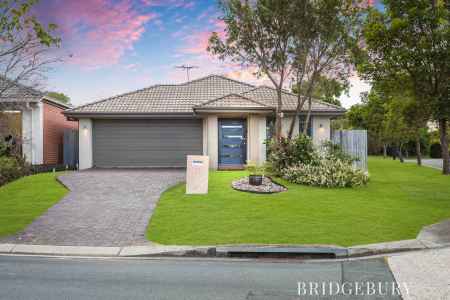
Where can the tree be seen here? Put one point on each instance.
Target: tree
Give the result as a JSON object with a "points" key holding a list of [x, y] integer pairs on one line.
{"points": [[371, 115], [325, 89], [409, 39], [396, 130], [325, 34], [25, 44], [258, 33], [61, 97]]}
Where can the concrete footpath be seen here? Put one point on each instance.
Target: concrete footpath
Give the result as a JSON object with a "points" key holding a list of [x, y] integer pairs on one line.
{"points": [[422, 275]]}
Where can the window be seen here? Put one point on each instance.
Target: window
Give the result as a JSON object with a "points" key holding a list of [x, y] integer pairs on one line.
{"points": [[302, 123], [270, 127]]}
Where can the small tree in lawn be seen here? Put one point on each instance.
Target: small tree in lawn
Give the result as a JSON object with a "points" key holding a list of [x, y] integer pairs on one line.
{"points": [[409, 39], [25, 44], [325, 35], [258, 33]]}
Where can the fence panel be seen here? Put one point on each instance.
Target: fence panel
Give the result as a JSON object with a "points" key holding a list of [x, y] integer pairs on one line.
{"points": [[70, 147], [354, 143]]}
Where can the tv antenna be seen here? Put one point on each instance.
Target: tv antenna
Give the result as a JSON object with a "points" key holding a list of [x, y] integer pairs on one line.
{"points": [[188, 69]]}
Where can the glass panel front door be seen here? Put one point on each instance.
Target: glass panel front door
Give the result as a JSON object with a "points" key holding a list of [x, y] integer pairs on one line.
{"points": [[232, 142]]}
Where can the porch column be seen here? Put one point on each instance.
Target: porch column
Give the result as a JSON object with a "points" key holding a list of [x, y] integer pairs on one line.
{"points": [[256, 138], [33, 134], [85, 144], [212, 145], [27, 148]]}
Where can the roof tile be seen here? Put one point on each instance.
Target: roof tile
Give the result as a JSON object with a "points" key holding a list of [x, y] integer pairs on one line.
{"points": [[183, 98]]}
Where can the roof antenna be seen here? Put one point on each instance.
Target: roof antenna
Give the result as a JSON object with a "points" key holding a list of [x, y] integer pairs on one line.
{"points": [[188, 68]]}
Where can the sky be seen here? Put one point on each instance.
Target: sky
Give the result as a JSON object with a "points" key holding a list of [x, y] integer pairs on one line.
{"points": [[115, 46]]}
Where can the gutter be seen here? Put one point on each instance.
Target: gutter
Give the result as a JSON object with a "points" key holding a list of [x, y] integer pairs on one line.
{"points": [[80, 115]]}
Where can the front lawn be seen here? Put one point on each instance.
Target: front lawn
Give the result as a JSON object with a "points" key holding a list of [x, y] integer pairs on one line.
{"points": [[23, 200], [399, 200]]}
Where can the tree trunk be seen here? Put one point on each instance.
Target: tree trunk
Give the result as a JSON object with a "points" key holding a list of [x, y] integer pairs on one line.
{"points": [[384, 150], [308, 117], [444, 146], [299, 107], [301, 102], [278, 117], [418, 151], [400, 153]]}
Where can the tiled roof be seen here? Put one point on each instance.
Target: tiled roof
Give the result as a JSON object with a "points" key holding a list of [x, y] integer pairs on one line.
{"points": [[183, 98], [16, 92], [232, 101], [268, 96]]}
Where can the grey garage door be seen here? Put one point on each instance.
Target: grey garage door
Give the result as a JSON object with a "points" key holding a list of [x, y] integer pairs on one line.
{"points": [[145, 143]]}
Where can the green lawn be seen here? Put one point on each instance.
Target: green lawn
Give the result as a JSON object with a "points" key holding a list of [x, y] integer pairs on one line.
{"points": [[399, 200], [23, 200]]}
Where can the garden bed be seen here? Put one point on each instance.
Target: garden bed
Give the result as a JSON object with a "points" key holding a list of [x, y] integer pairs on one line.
{"points": [[268, 186]]}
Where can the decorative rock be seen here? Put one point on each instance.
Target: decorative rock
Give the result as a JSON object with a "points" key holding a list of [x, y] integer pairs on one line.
{"points": [[267, 186]]}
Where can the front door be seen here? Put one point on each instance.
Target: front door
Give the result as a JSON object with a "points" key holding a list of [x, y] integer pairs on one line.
{"points": [[232, 142]]}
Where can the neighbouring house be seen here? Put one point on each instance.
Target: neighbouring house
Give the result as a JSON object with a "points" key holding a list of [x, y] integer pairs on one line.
{"points": [[216, 116], [35, 120]]}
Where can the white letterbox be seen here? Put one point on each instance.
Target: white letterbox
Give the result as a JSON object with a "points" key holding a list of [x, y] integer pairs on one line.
{"points": [[197, 174]]}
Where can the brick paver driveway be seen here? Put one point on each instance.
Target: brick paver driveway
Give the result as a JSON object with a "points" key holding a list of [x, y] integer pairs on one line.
{"points": [[104, 208]]}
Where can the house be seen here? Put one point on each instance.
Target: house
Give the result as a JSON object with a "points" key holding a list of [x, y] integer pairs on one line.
{"points": [[216, 116], [36, 120]]}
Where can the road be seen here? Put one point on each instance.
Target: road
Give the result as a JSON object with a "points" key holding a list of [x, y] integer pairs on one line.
{"points": [[80, 278]]}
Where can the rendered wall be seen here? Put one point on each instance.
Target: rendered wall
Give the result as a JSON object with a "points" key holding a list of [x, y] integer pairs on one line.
{"points": [[85, 143], [33, 134], [213, 140], [321, 129], [285, 125], [256, 136]]}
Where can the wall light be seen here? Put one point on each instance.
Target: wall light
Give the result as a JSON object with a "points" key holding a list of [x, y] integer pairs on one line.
{"points": [[321, 128]]}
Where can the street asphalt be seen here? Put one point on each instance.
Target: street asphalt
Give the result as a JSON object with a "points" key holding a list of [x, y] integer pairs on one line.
{"points": [[80, 278]]}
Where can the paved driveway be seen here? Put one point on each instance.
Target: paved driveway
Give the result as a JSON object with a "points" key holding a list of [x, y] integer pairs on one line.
{"points": [[104, 208]]}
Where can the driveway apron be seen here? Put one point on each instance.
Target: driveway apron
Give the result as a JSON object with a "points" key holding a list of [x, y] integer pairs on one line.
{"points": [[103, 208]]}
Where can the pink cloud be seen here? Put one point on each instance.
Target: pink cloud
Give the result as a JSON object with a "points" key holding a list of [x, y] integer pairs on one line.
{"points": [[97, 32], [169, 3], [197, 42]]}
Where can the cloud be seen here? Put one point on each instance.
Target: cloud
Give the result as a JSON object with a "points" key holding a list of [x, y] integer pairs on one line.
{"points": [[169, 3], [197, 42], [357, 86], [131, 66], [248, 75], [97, 33]]}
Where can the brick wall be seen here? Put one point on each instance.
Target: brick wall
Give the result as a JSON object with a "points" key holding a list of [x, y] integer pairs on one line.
{"points": [[54, 124]]}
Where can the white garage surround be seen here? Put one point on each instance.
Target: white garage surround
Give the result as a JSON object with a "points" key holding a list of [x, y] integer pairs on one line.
{"points": [[85, 144]]}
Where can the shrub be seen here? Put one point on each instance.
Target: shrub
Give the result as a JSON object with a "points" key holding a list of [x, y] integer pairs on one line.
{"points": [[254, 169], [12, 168], [334, 151], [326, 173], [290, 152], [435, 150]]}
